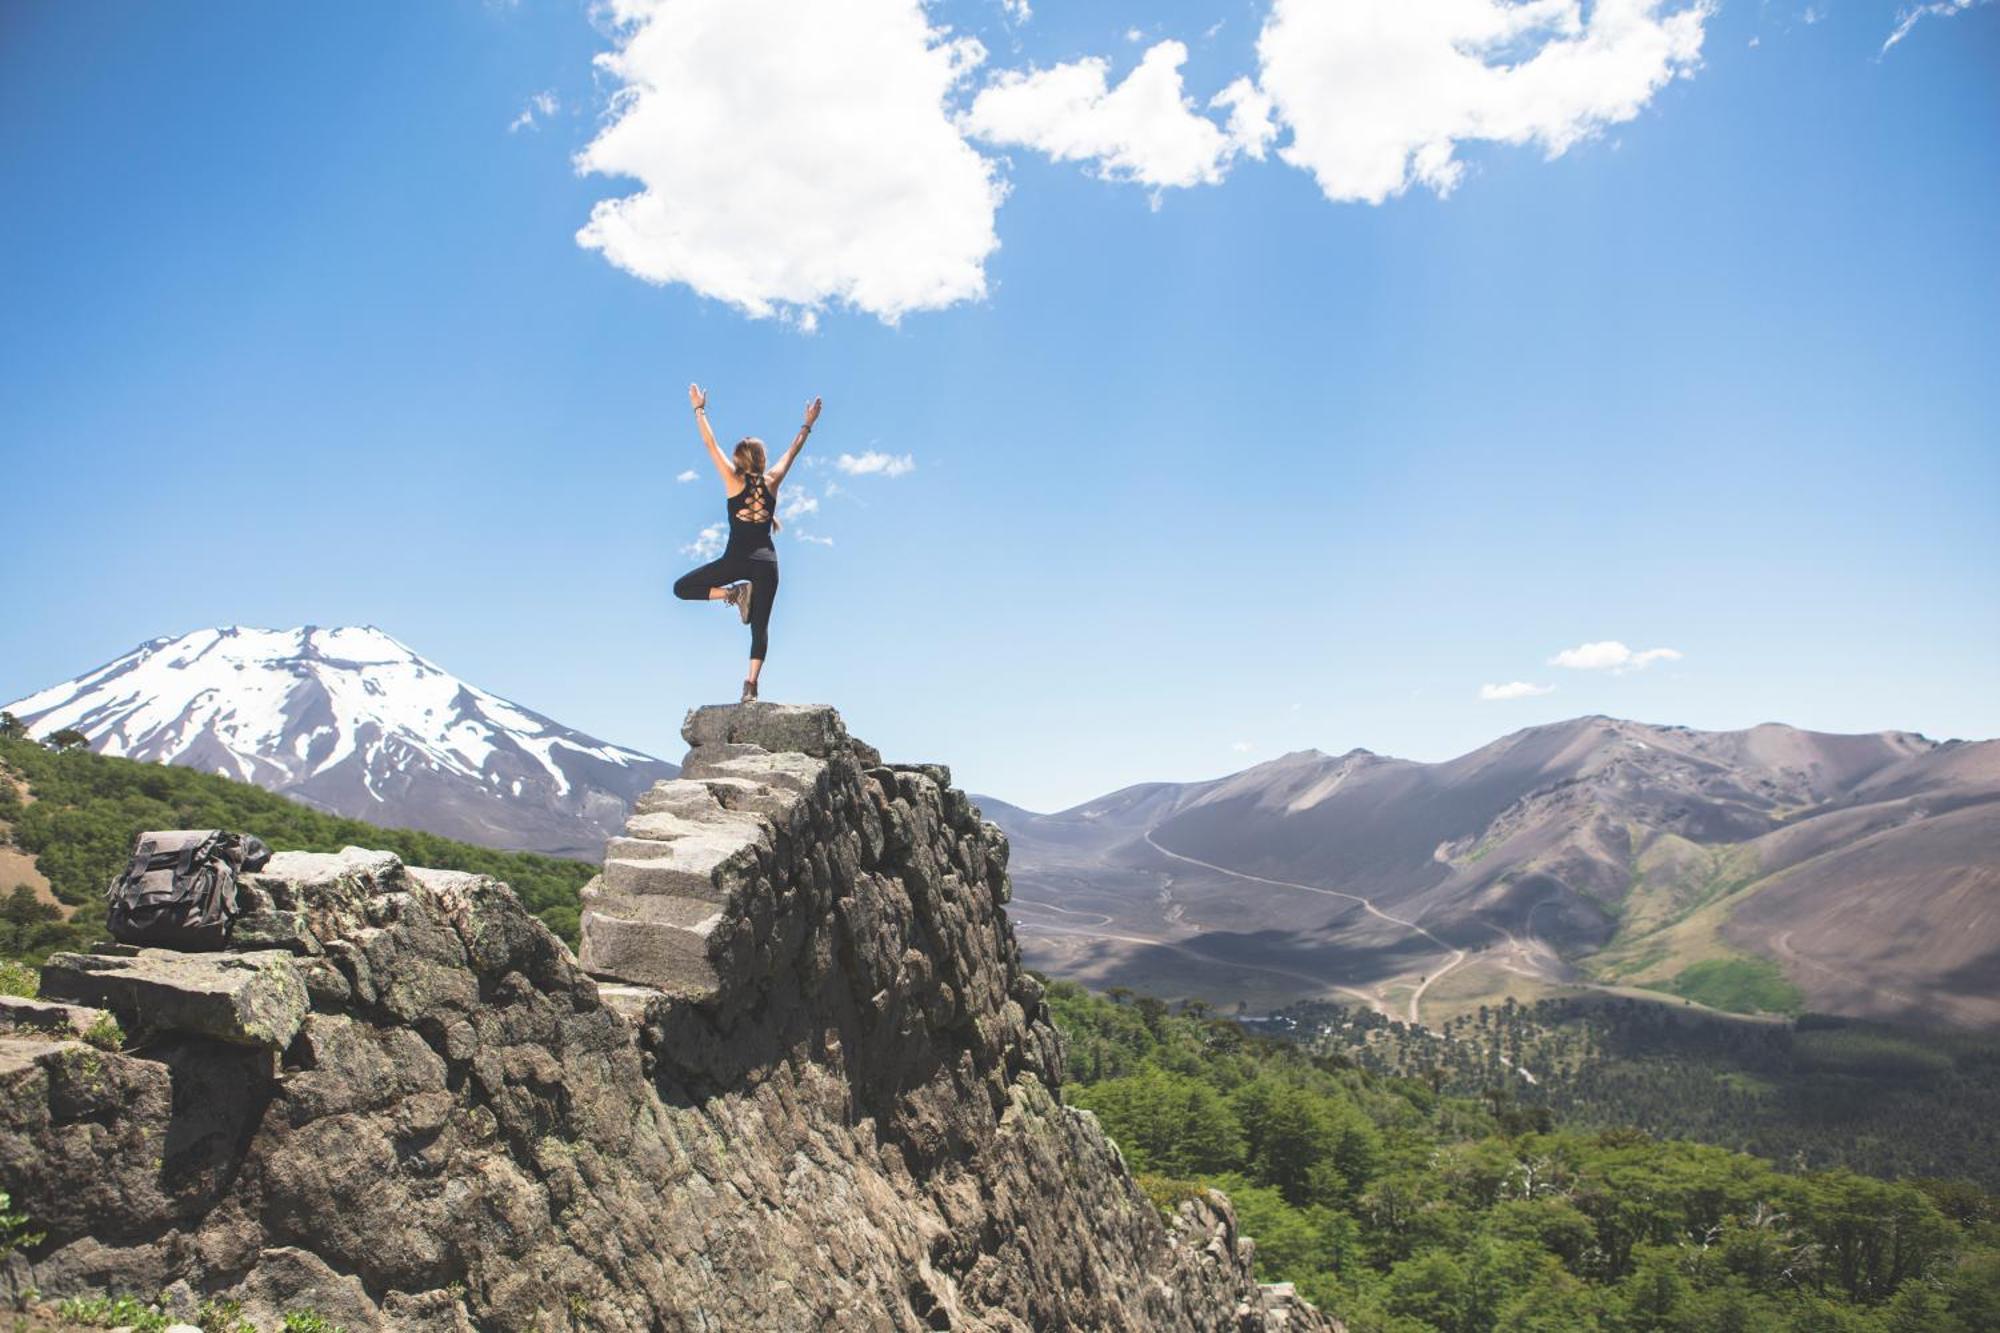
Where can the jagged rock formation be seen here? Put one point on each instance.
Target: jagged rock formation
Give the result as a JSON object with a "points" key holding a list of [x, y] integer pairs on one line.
{"points": [[821, 1094]]}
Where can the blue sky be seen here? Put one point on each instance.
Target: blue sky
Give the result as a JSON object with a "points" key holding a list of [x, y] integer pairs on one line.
{"points": [[299, 330]]}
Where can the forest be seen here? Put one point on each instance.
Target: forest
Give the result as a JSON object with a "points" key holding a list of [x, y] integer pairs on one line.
{"points": [[1402, 1204], [83, 810], [1821, 1092]]}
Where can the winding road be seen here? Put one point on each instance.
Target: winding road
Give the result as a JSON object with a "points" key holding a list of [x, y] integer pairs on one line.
{"points": [[1416, 997], [1091, 933]]}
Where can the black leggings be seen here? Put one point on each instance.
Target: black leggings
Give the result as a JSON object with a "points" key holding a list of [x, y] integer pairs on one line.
{"points": [[762, 576]]}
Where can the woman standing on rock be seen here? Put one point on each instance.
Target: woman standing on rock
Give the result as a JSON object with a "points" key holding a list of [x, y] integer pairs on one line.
{"points": [[746, 576]]}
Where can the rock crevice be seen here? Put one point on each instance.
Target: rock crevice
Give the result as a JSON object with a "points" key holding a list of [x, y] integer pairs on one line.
{"points": [[796, 1078]]}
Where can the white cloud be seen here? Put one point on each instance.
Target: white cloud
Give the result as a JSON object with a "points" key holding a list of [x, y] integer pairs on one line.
{"points": [[1241, 747], [797, 504], [814, 539], [793, 154], [1145, 130], [707, 543], [1611, 655], [539, 108], [1380, 93], [1251, 127], [874, 463], [1907, 19], [686, 476], [1514, 689]]}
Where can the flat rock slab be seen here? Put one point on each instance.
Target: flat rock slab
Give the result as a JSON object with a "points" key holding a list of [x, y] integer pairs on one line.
{"points": [[814, 729], [310, 879], [653, 953], [252, 999], [20, 1056], [47, 1016], [787, 772], [630, 1001]]}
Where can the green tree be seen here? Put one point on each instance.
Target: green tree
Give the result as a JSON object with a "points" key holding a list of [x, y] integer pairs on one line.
{"points": [[1293, 1244], [1167, 1122], [1433, 1288], [1870, 1236], [32, 929], [1654, 1298], [1313, 1148], [1972, 1291]]}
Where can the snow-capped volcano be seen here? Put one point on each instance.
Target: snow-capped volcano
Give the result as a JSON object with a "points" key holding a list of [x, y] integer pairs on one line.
{"points": [[351, 721]]}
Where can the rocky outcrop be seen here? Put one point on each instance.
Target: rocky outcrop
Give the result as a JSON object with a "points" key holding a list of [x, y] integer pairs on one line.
{"points": [[811, 1088]]}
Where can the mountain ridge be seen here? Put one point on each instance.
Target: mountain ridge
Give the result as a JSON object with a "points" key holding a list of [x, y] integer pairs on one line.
{"points": [[1592, 851]]}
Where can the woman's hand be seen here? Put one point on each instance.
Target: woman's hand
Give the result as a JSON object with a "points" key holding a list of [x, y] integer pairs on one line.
{"points": [[784, 465], [696, 398]]}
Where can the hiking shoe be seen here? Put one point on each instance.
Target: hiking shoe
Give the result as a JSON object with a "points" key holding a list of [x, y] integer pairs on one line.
{"points": [[739, 595], [749, 692]]}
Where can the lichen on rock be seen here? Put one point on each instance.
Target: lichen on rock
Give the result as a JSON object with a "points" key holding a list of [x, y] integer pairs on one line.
{"points": [[811, 1087]]}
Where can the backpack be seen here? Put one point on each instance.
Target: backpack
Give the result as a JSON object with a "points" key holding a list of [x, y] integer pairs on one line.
{"points": [[179, 892]]}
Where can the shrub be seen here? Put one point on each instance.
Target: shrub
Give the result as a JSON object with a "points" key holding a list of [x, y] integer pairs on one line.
{"points": [[309, 1321], [223, 1317], [1167, 1193], [114, 1312], [105, 1034], [14, 1231]]}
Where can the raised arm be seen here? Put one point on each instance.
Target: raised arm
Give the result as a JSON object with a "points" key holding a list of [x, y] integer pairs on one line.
{"points": [[715, 454], [784, 465]]}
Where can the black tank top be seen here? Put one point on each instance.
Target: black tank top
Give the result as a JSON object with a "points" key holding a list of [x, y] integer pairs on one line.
{"points": [[750, 520]]}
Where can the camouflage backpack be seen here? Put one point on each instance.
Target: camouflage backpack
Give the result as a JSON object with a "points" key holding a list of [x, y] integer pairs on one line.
{"points": [[179, 891]]}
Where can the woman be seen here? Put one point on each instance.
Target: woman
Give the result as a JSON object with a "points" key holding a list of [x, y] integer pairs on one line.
{"points": [[747, 574]]}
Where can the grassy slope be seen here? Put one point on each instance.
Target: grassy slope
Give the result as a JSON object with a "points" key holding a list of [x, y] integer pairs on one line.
{"points": [[1669, 935], [86, 809]]}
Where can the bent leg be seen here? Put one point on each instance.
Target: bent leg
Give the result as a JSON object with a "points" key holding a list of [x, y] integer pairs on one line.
{"points": [[699, 585]]}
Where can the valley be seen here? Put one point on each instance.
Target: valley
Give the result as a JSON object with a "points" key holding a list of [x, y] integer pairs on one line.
{"points": [[1762, 872]]}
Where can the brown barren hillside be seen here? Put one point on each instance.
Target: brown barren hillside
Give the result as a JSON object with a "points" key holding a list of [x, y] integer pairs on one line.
{"points": [[1595, 852]]}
